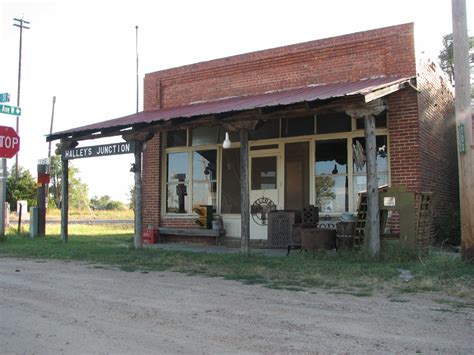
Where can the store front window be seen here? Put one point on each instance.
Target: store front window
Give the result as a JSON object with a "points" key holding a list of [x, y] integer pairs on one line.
{"points": [[185, 190], [331, 180], [360, 166], [321, 160]]}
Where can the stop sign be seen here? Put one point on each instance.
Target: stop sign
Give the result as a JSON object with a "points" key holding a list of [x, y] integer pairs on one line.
{"points": [[9, 142]]}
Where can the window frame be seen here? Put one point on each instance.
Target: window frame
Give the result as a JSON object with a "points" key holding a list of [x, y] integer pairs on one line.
{"points": [[280, 141]]}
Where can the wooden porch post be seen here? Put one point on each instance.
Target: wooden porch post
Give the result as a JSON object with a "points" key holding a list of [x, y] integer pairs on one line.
{"points": [[373, 217], [137, 169], [372, 228], [64, 199], [244, 193]]}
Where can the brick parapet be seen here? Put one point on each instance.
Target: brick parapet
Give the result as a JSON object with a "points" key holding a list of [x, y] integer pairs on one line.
{"points": [[381, 52]]}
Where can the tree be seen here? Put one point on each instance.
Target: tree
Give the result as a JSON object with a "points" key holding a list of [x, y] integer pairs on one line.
{"points": [[446, 58], [78, 191], [106, 203], [55, 185], [21, 188]]}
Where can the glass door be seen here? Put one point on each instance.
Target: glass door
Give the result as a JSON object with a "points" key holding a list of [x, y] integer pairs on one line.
{"points": [[264, 192]]}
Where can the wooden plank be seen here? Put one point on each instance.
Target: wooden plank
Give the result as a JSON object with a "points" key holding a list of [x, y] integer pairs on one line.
{"points": [[464, 116], [373, 219], [244, 193], [64, 200], [373, 95], [137, 169]]}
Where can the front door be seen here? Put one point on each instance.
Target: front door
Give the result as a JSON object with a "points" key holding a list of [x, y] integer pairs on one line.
{"points": [[265, 186]]}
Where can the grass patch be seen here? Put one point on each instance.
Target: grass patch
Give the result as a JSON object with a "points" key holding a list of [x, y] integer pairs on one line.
{"points": [[349, 273]]}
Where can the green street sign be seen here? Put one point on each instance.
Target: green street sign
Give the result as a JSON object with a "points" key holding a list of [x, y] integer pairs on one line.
{"points": [[10, 110], [5, 97]]}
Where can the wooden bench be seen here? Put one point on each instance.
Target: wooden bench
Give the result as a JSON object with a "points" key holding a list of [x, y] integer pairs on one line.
{"points": [[192, 232]]}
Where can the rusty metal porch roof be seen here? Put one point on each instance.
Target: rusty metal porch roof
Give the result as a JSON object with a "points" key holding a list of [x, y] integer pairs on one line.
{"points": [[370, 89]]}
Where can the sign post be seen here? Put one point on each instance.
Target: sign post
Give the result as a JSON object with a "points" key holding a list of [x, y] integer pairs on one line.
{"points": [[3, 195], [42, 183], [68, 153], [9, 146]]}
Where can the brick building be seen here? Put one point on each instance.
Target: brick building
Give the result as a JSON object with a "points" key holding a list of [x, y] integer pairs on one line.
{"points": [[306, 145]]}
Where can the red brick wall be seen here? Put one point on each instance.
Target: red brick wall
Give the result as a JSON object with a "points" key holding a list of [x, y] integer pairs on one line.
{"points": [[381, 52], [437, 139], [386, 51], [404, 136], [151, 178]]}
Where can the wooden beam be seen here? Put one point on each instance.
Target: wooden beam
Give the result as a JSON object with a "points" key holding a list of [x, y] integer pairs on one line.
{"points": [[142, 136], [373, 219], [376, 94], [137, 168], [64, 200], [244, 193], [464, 123], [372, 108], [240, 125]]}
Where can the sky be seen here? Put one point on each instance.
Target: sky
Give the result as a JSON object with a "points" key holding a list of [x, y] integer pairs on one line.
{"points": [[84, 53]]}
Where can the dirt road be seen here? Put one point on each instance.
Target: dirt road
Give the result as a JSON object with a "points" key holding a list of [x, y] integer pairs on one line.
{"points": [[58, 307]]}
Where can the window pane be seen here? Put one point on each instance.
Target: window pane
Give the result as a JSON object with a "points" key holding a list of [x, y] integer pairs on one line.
{"points": [[178, 166], [333, 122], [359, 154], [291, 127], [331, 157], [264, 173], [204, 193], [360, 184], [205, 165], [230, 195], [176, 138], [331, 193], [204, 135], [177, 199], [266, 130]]}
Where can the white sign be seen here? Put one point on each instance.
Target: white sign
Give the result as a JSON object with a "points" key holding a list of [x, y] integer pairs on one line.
{"points": [[389, 201], [44, 161]]}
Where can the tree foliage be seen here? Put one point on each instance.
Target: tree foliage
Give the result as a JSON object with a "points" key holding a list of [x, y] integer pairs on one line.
{"points": [[446, 56], [78, 191], [106, 203], [21, 188]]}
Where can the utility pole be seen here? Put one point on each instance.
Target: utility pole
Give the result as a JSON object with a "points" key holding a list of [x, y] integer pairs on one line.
{"points": [[51, 126], [136, 51], [464, 127], [20, 24], [49, 150]]}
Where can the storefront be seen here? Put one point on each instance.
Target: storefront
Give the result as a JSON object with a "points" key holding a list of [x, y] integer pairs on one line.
{"points": [[293, 162], [304, 109]]}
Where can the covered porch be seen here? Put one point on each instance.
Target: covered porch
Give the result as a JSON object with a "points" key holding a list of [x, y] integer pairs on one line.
{"points": [[317, 145]]}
